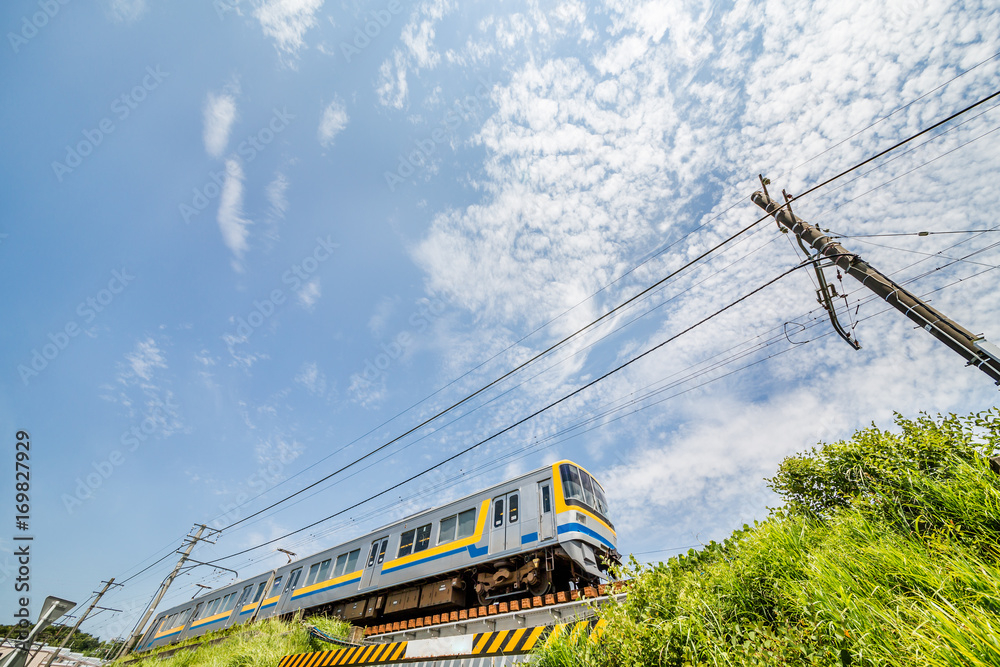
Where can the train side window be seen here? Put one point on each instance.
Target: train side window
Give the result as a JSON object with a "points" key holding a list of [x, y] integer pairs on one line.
{"points": [[313, 573], [571, 482], [341, 564], [352, 560], [231, 603], [512, 509], [423, 538], [466, 523], [260, 591], [324, 570], [381, 550], [602, 501], [406, 543], [447, 531], [546, 501], [371, 556], [588, 489], [212, 606], [276, 586], [498, 512], [197, 612], [246, 594]]}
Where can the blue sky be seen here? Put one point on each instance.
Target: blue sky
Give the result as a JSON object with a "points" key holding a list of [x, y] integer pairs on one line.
{"points": [[248, 241]]}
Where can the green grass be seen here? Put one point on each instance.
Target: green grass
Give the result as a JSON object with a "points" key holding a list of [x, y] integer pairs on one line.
{"points": [[259, 645], [886, 552]]}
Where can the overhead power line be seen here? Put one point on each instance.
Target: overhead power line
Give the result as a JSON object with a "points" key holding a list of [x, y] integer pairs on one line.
{"points": [[533, 414], [610, 312]]}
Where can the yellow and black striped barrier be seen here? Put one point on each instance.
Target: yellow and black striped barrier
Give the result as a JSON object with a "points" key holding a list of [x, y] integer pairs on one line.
{"points": [[483, 644]]}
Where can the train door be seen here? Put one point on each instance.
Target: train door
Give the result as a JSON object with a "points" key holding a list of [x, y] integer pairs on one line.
{"points": [[373, 566], [235, 618], [546, 517], [505, 532], [286, 594]]}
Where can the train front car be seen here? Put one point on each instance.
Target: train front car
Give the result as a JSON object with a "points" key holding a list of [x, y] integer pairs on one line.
{"points": [[581, 521]]}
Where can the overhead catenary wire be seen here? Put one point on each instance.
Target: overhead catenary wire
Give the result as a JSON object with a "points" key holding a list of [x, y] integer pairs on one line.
{"points": [[798, 197], [816, 321], [537, 412], [902, 108], [934, 269], [631, 270], [610, 312], [871, 297], [541, 372]]}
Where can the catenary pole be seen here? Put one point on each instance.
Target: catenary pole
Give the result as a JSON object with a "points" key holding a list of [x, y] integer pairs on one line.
{"points": [[975, 349], [107, 585], [163, 590]]}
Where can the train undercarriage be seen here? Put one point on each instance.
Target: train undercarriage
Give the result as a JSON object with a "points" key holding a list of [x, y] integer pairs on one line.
{"points": [[529, 574]]}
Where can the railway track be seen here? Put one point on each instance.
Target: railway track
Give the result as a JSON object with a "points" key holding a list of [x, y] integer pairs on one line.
{"points": [[480, 616], [494, 639]]}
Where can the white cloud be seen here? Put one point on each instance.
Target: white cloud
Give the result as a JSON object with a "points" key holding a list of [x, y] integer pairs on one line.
{"points": [[368, 393], [392, 88], [126, 11], [145, 393], [276, 195], [591, 165], [232, 224], [219, 114], [145, 359], [312, 378], [286, 21], [383, 311], [309, 294], [332, 123], [240, 358]]}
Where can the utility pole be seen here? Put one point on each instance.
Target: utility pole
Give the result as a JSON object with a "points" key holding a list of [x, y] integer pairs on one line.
{"points": [[976, 350], [163, 590], [107, 585]]}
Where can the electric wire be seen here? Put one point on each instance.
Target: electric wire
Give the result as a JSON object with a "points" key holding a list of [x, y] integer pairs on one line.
{"points": [[809, 191], [902, 108], [532, 377], [613, 310]]}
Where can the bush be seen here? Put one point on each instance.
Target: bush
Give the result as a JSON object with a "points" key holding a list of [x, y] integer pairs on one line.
{"points": [[884, 553]]}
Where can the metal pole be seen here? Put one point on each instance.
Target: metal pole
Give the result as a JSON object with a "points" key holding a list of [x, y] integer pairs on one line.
{"points": [[976, 350], [73, 630], [159, 595]]}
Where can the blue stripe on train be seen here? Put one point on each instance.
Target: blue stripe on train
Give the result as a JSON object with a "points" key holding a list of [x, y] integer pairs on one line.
{"points": [[580, 528], [326, 588]]}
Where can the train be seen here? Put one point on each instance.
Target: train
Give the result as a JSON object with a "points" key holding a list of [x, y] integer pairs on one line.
{"points": [[541, 531]]}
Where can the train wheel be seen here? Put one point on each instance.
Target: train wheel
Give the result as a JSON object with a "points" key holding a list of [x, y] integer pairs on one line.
{"points": [[542, 586]]}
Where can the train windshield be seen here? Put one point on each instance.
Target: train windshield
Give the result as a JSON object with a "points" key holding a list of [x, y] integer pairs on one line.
{"points": [[579, 488]]}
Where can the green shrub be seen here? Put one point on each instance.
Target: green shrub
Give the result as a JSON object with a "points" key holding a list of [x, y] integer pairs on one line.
{"points": [[885, 553]]}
